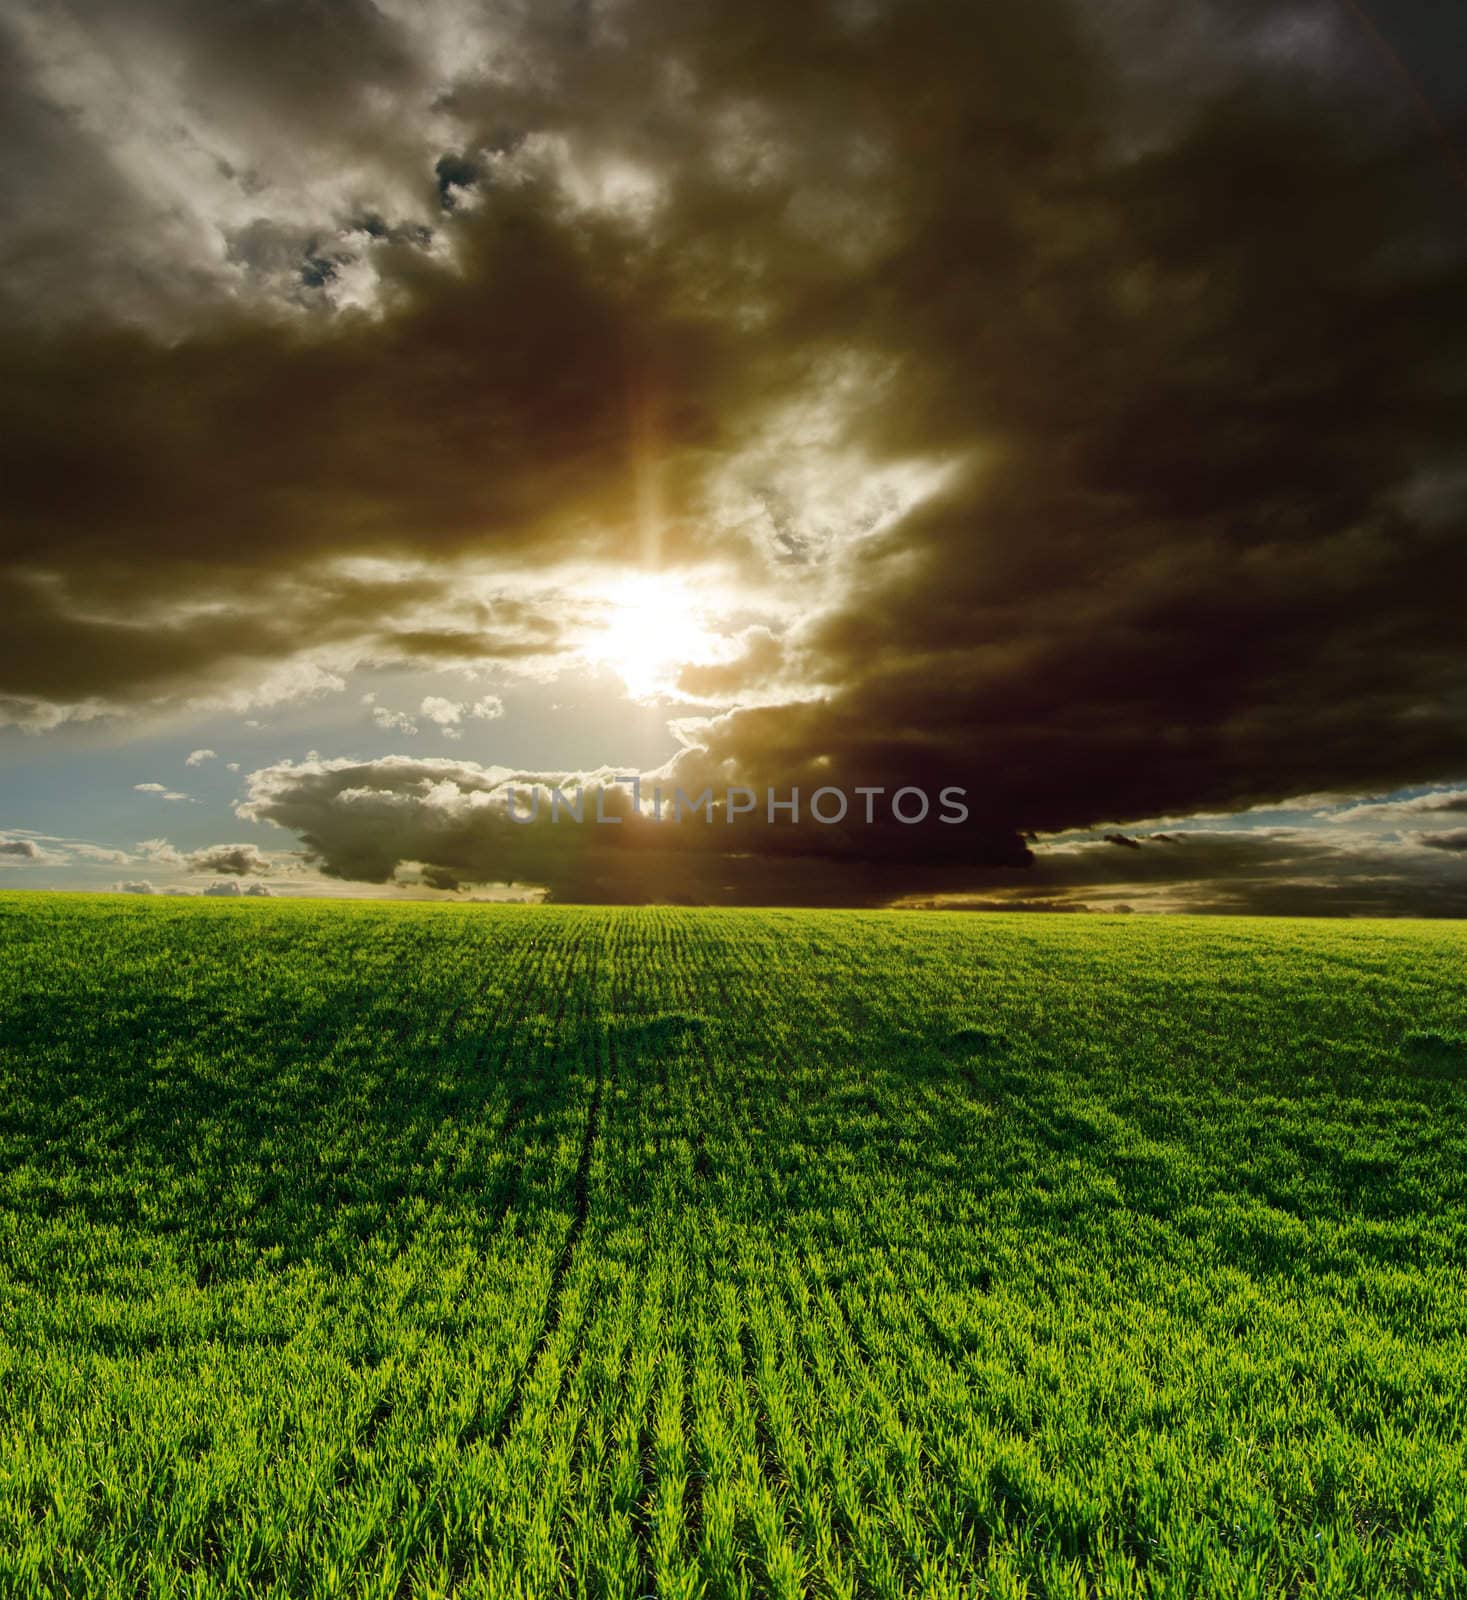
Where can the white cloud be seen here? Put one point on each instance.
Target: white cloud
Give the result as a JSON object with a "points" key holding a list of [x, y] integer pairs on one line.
{"points": [[160, 851], [1446, 804], [397, 721], [197, 758], [97, 852], [448, 715], [444, 712], [137, 886], [290, 681]]}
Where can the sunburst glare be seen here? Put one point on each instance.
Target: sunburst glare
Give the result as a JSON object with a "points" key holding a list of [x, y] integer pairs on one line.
{"points": [[653, 627]]}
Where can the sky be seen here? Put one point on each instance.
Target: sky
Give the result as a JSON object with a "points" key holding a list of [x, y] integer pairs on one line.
{"points": [[407, 406]]}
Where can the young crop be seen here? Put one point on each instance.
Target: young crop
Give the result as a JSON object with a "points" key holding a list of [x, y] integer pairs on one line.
{"points": [[409, 1250]]}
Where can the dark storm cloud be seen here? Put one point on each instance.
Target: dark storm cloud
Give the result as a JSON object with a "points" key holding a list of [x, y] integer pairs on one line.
{"points": [[1176, 296], [230, 860], [1265, 872], [131, 638], [448, 823]]}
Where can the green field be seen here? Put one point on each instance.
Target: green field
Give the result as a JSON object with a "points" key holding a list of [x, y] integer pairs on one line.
{"points": [[409, 1250]]}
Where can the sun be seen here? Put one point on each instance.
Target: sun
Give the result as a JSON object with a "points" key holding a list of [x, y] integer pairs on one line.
{"points": [[652, 628]]}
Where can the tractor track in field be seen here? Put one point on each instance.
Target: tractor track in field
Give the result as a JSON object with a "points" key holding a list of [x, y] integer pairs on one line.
{"points": [[644, 1498], [551, 1321], [526, 1093]]}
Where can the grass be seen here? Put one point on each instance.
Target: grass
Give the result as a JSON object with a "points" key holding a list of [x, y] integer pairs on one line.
{"points": [[424, 1250]]}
